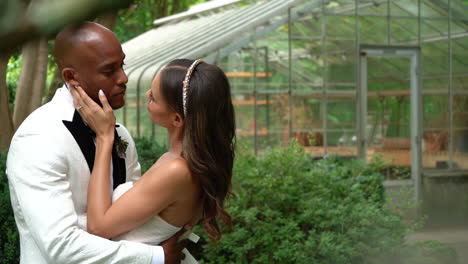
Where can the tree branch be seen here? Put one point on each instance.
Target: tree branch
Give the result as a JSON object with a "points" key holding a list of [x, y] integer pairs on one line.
{"points": [[45, 18]]}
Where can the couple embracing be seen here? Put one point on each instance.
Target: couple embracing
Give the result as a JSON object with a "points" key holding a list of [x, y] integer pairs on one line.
{"points": [[74, 176]]}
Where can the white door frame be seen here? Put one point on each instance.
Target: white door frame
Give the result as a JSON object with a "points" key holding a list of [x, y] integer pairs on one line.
{"points": [[413, 53]]}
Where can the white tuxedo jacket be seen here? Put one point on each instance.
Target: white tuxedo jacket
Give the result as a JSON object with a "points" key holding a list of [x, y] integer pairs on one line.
{"points": [[48, 177]]}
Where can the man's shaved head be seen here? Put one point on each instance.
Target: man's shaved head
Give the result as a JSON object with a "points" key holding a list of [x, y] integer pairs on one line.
{"points": [[90, 55], [73, 37]]}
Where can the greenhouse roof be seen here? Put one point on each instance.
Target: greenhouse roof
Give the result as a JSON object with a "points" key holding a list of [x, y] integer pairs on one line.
{"points": [[196, 10], [195, 38], [215, 30]]}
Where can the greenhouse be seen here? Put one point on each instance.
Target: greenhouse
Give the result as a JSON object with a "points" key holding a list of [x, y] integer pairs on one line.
{"points": [[354, 78]]}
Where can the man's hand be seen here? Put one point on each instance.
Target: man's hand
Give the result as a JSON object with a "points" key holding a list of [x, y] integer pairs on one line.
{"points": [[173, 247]]}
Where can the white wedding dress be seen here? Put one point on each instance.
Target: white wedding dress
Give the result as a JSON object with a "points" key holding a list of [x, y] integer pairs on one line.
{"points": [[155, 230]]}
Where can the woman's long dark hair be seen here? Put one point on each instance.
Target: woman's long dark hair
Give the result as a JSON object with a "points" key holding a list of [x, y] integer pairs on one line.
{"points": [[209, 135]]}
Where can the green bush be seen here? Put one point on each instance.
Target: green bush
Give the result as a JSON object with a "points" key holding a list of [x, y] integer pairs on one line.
{"points": [[149, 150], [9, 240], [290, 209]]}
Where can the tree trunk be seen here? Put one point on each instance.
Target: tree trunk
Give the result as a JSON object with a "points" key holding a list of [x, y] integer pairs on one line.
{"points": [[40, 74], [5, 115], [25, 83], [175, 7], [162, 10], [165, 9]]}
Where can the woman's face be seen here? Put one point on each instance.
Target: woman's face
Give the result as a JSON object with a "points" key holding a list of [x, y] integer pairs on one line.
{"points": [[158, 110]]}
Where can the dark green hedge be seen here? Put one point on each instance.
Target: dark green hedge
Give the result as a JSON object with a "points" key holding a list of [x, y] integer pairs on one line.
{"points": [[290, 209], [148, 152], [9, 240]]}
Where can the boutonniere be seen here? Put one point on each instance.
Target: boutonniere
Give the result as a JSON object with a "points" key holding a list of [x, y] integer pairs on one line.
{"points": [[121, 146]]}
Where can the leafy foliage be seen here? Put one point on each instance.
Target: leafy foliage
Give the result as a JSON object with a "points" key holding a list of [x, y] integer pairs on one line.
{"points": [[140, 16], [290, 209], [9, 239], [149, 151], [12, 77]]}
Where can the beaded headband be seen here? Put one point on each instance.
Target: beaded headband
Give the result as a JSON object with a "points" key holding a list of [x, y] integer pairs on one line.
{"points": [[186, 84]]}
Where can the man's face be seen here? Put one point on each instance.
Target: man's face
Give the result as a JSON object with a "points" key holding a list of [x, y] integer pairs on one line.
{"points": [[101, 67]]}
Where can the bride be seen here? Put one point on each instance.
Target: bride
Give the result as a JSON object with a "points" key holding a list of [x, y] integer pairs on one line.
{"points": [[185, 186]]}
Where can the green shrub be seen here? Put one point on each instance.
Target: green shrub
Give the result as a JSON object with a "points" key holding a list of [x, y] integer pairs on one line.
{"points": [[290, 209], [149, 150], [9, 240]]}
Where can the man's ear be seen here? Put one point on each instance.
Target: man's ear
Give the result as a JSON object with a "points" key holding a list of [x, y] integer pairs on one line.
{"points": [[178, 121], [69, 76]]}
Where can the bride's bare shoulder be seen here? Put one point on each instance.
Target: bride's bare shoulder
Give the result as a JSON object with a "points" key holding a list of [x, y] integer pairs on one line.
{"points": [[178, 167], [175, 170]]}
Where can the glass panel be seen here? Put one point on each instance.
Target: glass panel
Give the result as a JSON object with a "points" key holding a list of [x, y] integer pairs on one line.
{"points": [[269, 123], [404, 31], [306, 115], [373, 8], [435, 131], [458, 27], [437, 8], [340, 28], [307, 65], [341, 66], [276, 116], [373, 30], [238, 67], [459, 9], [266, 70], [434, 30], [460, 64], [340, 53], [435, 63], [307, 122], [388, 74], [245, 118], [460, 123], [460, 82], [341, 125], [129, 113], [272, 60], [310, 7], [389, 112], [146, 125], [408, 8], [340, 7]]}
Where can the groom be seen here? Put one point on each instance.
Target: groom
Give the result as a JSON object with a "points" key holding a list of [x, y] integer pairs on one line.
{"points": [[52, 154]]}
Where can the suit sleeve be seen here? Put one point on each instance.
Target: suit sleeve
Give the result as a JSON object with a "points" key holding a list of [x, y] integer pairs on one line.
{"points": [[37, 171]]}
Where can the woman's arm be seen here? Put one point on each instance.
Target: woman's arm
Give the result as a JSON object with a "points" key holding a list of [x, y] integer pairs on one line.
{"points": [[154, 192], [102, 121]]}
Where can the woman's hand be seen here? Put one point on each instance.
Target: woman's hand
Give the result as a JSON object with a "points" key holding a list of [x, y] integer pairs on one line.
{"points": [[100, 119]]}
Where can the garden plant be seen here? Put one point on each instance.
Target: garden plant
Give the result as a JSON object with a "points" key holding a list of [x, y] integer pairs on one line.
{"points": [[288, 208]]}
